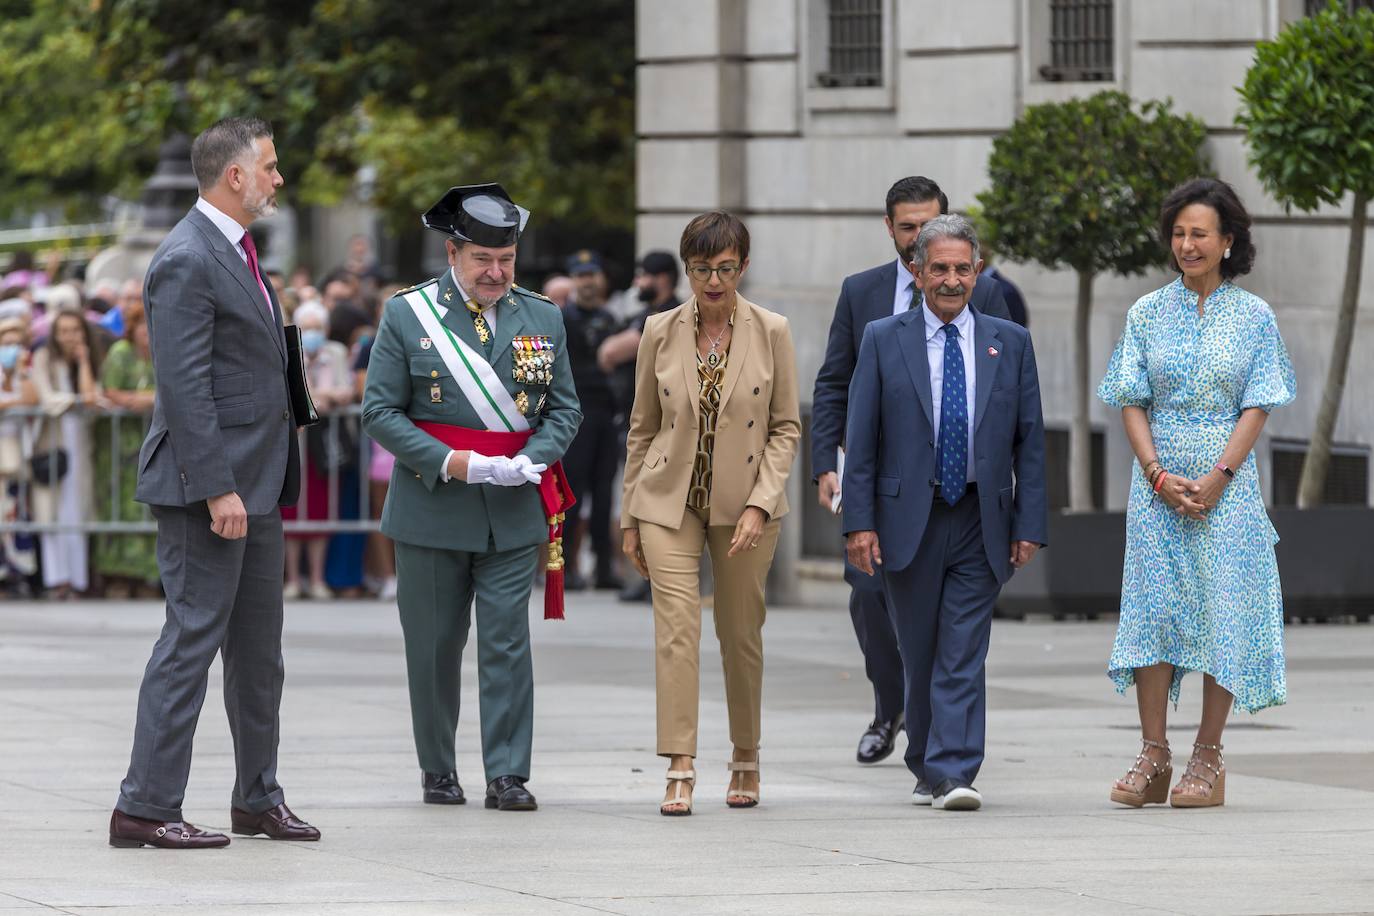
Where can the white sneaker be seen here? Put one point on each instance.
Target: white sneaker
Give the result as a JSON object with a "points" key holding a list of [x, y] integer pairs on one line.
{"points": [[963, 798], [291, 591], [921, 795], [388, 592]]}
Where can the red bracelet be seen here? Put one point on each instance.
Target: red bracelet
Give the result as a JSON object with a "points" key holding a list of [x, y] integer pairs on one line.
{"points": [[1230, 474], [1159, 481]]}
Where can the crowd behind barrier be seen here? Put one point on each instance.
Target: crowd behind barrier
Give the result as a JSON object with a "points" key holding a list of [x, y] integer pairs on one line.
{"points": [[77, 390]]}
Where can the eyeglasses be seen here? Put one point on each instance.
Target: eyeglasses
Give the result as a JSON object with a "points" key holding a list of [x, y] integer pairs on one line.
{"points": [[702, 274]]}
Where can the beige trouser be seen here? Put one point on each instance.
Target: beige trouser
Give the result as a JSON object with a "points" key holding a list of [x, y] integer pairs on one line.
{"points": [[674, 560]]}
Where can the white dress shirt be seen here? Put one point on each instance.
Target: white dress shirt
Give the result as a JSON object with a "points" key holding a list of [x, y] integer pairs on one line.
{"points": [[906, 294], [488, 315], [233, 232], [935, 355]]}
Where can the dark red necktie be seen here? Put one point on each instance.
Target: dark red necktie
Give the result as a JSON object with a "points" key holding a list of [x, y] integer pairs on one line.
{"points": [[251, 250]]}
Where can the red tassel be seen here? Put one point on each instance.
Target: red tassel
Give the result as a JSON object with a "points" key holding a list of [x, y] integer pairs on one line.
{"points": [[553, 570], [553, 594]]}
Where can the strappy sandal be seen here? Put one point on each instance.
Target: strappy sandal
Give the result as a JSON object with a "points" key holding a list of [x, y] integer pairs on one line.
{"points": [[1156, 788], [752, 798], [679, 778], [1216, 784]]}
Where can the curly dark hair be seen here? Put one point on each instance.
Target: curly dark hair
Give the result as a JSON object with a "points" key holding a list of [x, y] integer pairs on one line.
{"points": [[1231, 213]]}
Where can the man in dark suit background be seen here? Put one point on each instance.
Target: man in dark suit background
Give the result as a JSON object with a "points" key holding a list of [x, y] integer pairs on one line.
{"points": [[878, 292], [944, 494], [219, 461]]}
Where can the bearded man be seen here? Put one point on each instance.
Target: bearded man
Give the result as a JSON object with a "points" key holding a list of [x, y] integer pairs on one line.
{"points": [[219, 461]]}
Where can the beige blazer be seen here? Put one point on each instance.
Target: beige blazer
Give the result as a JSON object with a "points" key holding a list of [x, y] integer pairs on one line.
{"points": [[757, 432]]}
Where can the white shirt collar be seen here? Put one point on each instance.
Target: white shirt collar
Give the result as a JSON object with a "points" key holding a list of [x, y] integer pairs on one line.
{"points": [[963, 321], [226, 224], [904, 282]]}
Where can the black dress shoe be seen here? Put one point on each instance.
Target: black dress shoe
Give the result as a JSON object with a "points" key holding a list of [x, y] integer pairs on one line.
{"points": [[877, 743], [508, 793], [442, 789], [278, 823], [608, 582], [636, 589], [574, 583], [129, 832]]}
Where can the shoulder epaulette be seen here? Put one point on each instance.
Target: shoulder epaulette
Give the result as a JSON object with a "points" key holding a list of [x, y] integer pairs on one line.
{"points": [[532, 294], [410, 289]]}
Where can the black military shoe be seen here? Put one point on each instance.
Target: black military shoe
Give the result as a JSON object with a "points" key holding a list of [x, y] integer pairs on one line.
{"points": [[877, 743], [442, 789], [508, 793]]}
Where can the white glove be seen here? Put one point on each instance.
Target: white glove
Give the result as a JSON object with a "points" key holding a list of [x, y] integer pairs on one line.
{"points": [[522, 470], [502, 471]]}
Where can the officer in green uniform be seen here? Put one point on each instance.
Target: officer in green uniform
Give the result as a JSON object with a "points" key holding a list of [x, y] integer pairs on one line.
{"points": [[469, 387]]}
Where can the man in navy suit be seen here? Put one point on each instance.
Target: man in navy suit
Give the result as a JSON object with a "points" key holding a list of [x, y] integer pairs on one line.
{"points": [[878, 292], [944, 494]]}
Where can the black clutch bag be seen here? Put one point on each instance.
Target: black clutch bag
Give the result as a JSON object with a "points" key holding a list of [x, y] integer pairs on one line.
{"points": [[302, 406]]}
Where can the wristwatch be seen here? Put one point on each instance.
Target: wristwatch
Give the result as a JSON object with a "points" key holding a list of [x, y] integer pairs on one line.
{"points": [[1230, 474]]}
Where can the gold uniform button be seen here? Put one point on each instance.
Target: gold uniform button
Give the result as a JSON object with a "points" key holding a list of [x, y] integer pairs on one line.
{"points": [[434, 373]]}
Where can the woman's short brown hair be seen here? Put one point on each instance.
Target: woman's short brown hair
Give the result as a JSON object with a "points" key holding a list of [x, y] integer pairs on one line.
{"points": [[1231, 216], [712, 233]]}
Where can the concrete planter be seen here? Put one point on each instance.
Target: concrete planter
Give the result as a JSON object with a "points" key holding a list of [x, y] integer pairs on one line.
{"points": [[1326, 560]]}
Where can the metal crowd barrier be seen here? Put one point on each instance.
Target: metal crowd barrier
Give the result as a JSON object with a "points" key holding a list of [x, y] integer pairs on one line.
{"points": [[346, 420]]}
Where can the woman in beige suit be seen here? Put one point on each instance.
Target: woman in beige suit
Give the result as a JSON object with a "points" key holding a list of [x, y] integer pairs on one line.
{"points": [[713, 432]]}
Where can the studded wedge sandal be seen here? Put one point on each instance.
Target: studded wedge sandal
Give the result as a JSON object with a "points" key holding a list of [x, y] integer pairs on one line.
{"points": [[1202, 774], [1156, 788], [683, 783]]}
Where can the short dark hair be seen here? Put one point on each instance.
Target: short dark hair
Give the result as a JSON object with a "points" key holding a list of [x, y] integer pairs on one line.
{"points": [[1231, 214], [915, 189], [221, 144], [711, 233]]}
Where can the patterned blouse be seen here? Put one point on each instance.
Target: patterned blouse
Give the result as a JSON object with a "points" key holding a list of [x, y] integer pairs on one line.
{"points": [[711, 382]]}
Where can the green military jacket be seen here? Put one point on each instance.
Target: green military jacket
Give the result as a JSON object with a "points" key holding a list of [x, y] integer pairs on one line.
{"points": [[402, 374]]}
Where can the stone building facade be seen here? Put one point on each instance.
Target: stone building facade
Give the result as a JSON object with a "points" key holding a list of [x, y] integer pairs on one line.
{"points": [[798, 115]]}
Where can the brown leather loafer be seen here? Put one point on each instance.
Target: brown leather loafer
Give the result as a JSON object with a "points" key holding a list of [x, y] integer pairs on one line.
{"points": [[278, 823], [129, 832]]}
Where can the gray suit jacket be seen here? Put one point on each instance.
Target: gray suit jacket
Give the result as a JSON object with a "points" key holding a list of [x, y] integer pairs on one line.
{"points": [[221, 417]]}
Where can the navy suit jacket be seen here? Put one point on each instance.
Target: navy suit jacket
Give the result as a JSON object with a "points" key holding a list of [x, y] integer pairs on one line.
{"points": [[864, 297], [890, 461]]}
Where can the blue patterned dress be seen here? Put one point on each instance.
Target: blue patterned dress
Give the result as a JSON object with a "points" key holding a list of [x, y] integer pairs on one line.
{"points": [[1201, 595]]}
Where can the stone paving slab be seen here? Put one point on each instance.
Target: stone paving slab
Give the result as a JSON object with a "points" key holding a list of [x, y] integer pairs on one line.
{"points": [[1296, 835]]}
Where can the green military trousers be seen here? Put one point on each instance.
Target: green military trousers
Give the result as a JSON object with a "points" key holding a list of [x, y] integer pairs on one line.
{"points": [[435, 591]]}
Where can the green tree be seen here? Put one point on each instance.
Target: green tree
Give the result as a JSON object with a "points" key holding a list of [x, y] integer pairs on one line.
{"points": [[1078, 185], [1308, 113], [537, 95]]}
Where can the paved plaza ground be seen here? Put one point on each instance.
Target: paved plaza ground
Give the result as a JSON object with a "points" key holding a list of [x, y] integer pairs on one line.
{"points": [[1296, 835]]}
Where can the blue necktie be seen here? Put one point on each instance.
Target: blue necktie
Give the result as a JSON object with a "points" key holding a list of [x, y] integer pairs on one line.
{"points": [[953, 422]]}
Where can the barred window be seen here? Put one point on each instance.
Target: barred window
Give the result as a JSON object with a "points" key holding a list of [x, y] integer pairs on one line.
{"points": [[1347, 476], [1316, 6], [1082, 41], [854, 44]]}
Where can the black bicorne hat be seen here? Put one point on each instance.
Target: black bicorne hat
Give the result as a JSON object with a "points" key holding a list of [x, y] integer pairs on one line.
{"points": [[482, 214]]}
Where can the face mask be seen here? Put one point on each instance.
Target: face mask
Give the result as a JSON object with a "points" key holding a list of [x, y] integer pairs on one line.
{"points": [[9, 356], [312, 340]]}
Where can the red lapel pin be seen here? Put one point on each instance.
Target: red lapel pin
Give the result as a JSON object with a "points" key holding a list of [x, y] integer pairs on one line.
{"points": [[992, 351]]}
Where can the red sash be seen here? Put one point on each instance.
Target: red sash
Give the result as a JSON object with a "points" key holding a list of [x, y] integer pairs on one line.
{"points": [[554, 492]]}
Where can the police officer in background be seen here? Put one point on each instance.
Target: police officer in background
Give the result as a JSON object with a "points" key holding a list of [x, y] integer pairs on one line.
{"points": [[596, 453], [656, 280]]}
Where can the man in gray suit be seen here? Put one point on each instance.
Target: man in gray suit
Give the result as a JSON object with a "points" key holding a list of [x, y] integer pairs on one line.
{"points": [[219, 460]]}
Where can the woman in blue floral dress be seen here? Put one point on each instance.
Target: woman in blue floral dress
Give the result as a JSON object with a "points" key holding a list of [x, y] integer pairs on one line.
{"points": [[1198, 369]]}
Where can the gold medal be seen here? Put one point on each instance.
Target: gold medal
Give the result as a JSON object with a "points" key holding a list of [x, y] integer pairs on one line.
{"points": [[436, 394], [522, 403]]}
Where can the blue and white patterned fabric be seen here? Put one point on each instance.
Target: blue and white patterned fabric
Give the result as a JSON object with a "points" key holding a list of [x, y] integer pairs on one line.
{"points": [[1201, 595], [953, 422]]}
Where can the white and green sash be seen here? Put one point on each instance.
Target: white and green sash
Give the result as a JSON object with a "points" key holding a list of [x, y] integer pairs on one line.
{"points": [[474, 375]]}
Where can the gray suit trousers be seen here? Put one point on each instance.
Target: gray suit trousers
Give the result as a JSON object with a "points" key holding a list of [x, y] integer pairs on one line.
{"points": [[222, 596]]}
